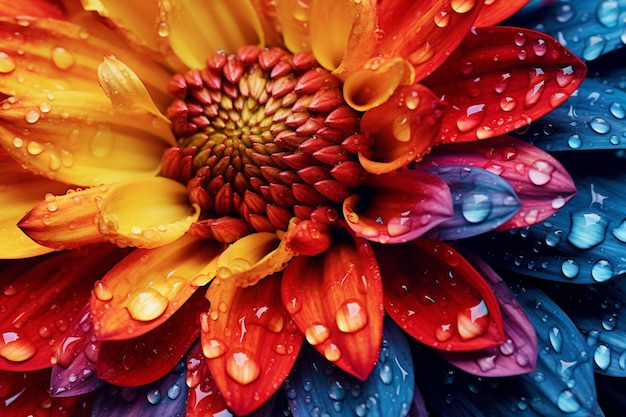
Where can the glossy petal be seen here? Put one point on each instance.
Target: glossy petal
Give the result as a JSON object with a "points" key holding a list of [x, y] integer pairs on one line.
{"points": [[36, 8], [401, 130], [316, 386], [518, 354], [127, 214], [164, 397], [438, 298], [336, 301], [249, 340], [79, 139], [424, 32], [495, 11], [24, 394], [540, 182], [37, 315], [592, 119], [149, 357], [148, 286], [561, 385], [203, 397], [482, 201], [502, 78], [19, 192], [398, 207], [582, 243]]}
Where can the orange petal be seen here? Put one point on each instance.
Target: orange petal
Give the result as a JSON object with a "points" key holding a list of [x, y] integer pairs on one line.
{"points": [[19, 192], [424, 32], [437, 297], [37, 313], [127, 214], [293, 17], [31, 8], [336, 301], [149, 285], [401, 130], [149, 357], [249, 340]]}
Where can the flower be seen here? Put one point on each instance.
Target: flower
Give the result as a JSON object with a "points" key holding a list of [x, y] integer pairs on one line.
{"points": [[278, 160]]}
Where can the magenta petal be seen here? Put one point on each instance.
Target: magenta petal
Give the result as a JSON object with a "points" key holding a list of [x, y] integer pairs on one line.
{"points": [[518, 354], [399, 206]]}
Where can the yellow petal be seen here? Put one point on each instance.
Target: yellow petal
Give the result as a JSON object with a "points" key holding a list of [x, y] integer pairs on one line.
{"points": [[253, 258], [376, 82], [293, 16], [19, 192], [198, 31], [144, 212], [79, 139], [125, 89]]}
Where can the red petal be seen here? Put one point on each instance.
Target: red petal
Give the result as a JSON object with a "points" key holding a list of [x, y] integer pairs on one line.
{"points": [[437, 297], [249, 340], [40, 305], [32, 8], [398, 207], [424, 32], [540, 181], [496, 11], [203, 397], [26, 394], [147, 358], [502, 78], [149, 285], [336, 300]]}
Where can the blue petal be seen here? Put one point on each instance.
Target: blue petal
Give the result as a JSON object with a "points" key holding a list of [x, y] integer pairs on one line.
{"points": [[317, 387], [482, 201], [596, 312], [588, 28], [561, 385], [165, 397], [582, 243], [593, 118]]}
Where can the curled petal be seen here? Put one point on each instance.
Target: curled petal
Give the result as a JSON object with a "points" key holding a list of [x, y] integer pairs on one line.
{"points": [[401, 130], [146, 358], [309, 238], [249, 340], [482, 201], [502, 78], [79, 139], [398, 207], [148, 286], [496, 11], [541, 183], [127, 214], [424, 32], [437, 297], [336, 300]]}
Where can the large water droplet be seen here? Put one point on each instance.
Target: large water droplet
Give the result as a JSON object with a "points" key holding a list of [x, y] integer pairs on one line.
{"points": [[351, 317], [473, 321], [602, 357], [442, 19], [609, 322], [620, 231], [336, 391], [593, 47], [574, 141], [102, 291], [7, 63], [588, 229], [332, 352], [556, 339], [566, 402], [174, 391], [62, 58], [608, 13], [520, 39], [540, 172], [476, 207], [474, 115], [462, 6], [602, 270], [570, 269], [213, 348], [600, 125], [508, 103], [316, 334], [617, 110], [400, 224], [385, 374], [15, 347], [146, 304], [242, 368]]}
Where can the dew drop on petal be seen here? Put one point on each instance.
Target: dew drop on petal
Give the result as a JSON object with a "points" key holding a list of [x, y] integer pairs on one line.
{"points": [[399, 225], [473, 321], [540, 172], [174, 391], [556, 339], [146, 304], [476, 207], [444, 332], [600, 125], [566, 402], [34, 148], [593, 47], [520, 39], [242, 368], [570, 269], [617, 110], [608, 13], [153, 396], [602, 270], [213, 348], [620, 231], [336, 391], [7, 63], [574, 141], [62, 58], [351, 317], [15, 347], [602, 357], [332, 352], [442, 19], [316, 334], [588, 229], [474, 115], [508, 103], [385, 374], [102, 291]]}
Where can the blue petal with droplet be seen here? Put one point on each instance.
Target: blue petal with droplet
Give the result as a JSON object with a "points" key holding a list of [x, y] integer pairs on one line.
{"points": [[561, 385], [482, 201], [594, 118], [588, 28], [584, 242], [165, 397], [317, 387]]}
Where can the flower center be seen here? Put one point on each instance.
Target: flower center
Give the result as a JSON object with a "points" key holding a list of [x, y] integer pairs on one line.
{"points": [[263, 136]]}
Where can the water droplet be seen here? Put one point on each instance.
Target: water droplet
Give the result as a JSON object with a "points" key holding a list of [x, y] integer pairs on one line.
{"points": [[564, 13], [602, 357], [400, 224], [44, 332], [242, 368], [15, 347], [487, 363], [163, 29], [351, 317], [574, 141], [520, 39], [444, 332], [503, 84], [508, 103], [153, 396], [476, 207], [146, 304], [602, 270], [462, 6], [600, 125], [617, 110], [385, 374], [34, 148], [412, 101], [336, 392], [556, 339], [553, 238], [540, 47], [32, 116], [442, 19], [567, 403], [620, 231], [213, 348], [588, 229], [473, 321], [593, 47], [62, 58], [609, 322], [316, 334], [540, 172], [508, 347], [7, 63], [607, 13], [565, 76], [332, 352], [174, 391], [474, 115], [422, 54]]}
